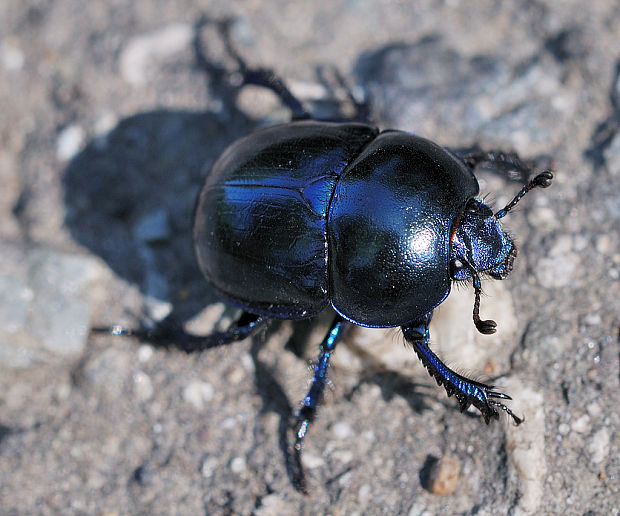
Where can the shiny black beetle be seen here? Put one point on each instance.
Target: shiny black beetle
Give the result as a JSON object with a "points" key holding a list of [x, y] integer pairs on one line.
{"points": [[376, 224], [301, 216]]}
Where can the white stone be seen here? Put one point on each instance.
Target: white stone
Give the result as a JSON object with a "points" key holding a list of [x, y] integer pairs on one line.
{"points": [[142, 386], [197, 393], [69, 142], [599, 446], [526, 444], [144, 51]]}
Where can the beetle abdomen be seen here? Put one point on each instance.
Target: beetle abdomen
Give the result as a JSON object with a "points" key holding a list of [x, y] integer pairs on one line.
{"points": [[260, 228], [389, 229]]}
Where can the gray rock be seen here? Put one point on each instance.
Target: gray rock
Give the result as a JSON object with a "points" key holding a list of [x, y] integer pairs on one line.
{"points": [[46, 304]]}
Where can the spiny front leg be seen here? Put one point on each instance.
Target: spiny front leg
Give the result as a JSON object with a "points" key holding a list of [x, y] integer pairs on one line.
{"points": [[468, 392]]}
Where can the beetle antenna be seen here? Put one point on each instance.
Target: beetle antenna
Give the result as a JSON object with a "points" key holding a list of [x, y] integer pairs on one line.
{"points": [[542, 180], [487, 326]]}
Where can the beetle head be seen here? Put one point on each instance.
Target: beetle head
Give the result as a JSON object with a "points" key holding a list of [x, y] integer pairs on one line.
{"points": [[480, 245]]}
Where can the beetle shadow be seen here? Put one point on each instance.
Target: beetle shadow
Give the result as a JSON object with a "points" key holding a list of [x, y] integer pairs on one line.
{"points": [[130, 194], [130, 199], [391, 383], [605, 132], [274, 400]]}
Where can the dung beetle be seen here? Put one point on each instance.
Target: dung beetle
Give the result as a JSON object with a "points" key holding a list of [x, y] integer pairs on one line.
{"points": [[377, 225]]}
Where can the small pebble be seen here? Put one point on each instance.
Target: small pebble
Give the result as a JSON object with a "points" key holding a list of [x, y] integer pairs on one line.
{"points": [[581, 425], [229, 423], [208, 467], [444, 476], [69, 142], [363, 494], [274, 505], [419, 509], [237, 465], [197, 393], [142, 386], [599, 446], [312, 461], [605, 245], [145, 353], [342, 430], [11, 56]]}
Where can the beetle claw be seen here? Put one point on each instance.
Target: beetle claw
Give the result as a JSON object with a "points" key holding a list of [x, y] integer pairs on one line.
{"points": [[495, 394], [518, 420]]}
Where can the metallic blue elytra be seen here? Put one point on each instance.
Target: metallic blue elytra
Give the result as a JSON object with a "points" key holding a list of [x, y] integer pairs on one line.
{"points": [[260, 230]]}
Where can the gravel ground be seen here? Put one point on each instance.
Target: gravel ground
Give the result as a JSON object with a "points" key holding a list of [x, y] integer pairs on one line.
{"points": [[108, 128]]}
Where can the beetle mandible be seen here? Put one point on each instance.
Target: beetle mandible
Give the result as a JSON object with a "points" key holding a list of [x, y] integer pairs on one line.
{"points": [[377, 225]]}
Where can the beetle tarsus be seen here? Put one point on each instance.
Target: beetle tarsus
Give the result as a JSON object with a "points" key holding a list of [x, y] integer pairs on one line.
{"points": [[517, 420], [467, 392], [508, 162], [169, 333]]}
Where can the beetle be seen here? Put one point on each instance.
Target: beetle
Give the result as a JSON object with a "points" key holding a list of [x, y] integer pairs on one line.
{"points": [[376, 224]]}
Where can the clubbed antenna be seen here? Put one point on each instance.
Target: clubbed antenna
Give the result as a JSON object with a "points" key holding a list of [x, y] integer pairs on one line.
{"points": [[488, 326], [542, 180]]}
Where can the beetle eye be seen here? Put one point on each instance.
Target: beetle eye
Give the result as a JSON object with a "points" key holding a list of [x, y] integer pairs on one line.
{"points": [[472, 207], [456, 265]]}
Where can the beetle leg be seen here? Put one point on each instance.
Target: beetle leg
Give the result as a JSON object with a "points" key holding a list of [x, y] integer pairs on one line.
{"points": [[168, 333], [468, 392], [267, 78], [262, 77], [307, 413], [361, 107], [507, 162]]}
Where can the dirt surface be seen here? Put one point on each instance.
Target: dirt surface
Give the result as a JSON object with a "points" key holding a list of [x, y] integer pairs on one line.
{"points": [[109, 125]]}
